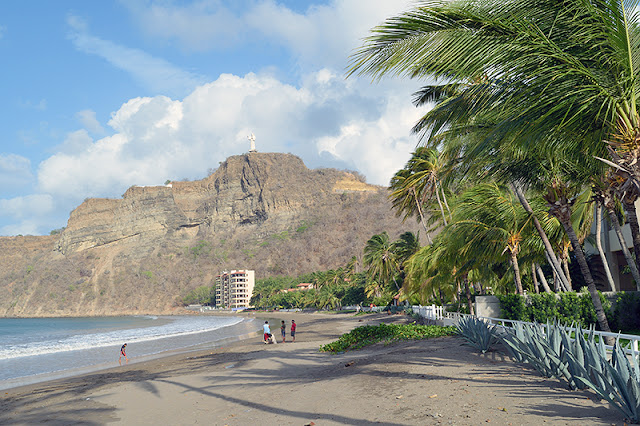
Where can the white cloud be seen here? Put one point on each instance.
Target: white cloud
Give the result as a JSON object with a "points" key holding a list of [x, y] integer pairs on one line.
{"points": [[157, 74], [159, 138], [88, 119], [27, 206], [15, 170], [323, 34]]}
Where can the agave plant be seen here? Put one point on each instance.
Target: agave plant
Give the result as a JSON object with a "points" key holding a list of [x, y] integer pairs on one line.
{"points": [[551, 351], [619, 383], [476, 332]]}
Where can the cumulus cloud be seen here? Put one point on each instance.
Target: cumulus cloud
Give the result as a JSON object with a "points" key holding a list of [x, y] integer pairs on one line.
{"points": [[158, 138], [89, 121], [29, 205], [322, 117], [323, 34], [27, 213], [15, 170], [154, 73]]}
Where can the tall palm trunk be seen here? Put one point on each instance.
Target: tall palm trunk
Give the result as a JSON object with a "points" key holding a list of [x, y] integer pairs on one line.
{"points": [[562, 211], [632, 218], [467, 292], [613, 218], [565, 267], [516, 272], [543, 279], [603, 257], [424, 225], [444, 219], [543, 236], [535, 278]]}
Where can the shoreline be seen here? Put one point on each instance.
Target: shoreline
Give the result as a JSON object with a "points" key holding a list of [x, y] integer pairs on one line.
{"points": [[421, 382]]}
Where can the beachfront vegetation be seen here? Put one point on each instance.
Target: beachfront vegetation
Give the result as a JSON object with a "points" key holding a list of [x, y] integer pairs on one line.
{"points": [[476, 332], [535, 129], [371, 334]]}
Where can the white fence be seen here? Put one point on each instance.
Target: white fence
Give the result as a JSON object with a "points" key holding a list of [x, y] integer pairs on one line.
{"points": [[432, 312]]}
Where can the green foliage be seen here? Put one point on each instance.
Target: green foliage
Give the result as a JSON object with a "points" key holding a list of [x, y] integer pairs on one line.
{"points": [[147, 274], [512, 307], [57, 231], [202, 247], [303, 226], [567, 307], [476, 332], [553, 353], [29, 269], [203, 295], [626, 314], [371, 334], [618, 382], [541, 307]]}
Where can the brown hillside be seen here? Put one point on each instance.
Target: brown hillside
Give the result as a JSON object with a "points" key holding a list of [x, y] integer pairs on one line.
{"points": [[143, 252]]}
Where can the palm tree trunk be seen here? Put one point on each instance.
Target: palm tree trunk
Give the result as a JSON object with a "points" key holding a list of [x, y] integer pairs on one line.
{"points": [[535, 278], [613, 218], [603, 257], [565, 267], [632, 218], [565, 220], [444, 219], [444, 199], [543, 279], [543, 236], [516, 273], [467, 292], [558, 284], [424, 225]]}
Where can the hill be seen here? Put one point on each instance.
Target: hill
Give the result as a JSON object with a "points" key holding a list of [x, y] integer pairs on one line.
{"points": [[141, 253]]}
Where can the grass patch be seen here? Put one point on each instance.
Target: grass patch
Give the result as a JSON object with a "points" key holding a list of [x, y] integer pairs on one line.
{"points": [[371, 334]]}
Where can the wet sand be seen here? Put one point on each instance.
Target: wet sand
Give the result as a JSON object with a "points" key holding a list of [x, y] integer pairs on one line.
{"points": [[433, 381]]}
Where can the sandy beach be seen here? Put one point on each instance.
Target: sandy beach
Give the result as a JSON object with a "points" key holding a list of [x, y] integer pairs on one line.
{"points": [[433, 381]]}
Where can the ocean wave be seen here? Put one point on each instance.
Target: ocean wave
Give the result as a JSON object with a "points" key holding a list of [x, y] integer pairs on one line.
{"points": [[181, 326]]}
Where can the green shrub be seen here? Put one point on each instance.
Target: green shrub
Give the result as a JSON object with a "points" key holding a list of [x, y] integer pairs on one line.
{"points": [[512, 307], [541, 307], [370, 334], [626, 314], [569, 309]]}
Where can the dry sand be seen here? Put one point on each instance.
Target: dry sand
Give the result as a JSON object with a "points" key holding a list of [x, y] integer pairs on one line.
{"points": [[428, 382]]}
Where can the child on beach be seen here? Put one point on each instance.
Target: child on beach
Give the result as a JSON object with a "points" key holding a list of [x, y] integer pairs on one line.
{"points": [[267, 331], [283, 331], [293, 331], [123, 353]]}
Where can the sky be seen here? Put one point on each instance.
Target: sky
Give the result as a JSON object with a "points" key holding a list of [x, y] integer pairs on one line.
{"points": [[100, 96]]}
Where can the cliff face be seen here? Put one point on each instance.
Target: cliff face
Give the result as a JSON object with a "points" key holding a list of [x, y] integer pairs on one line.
{"points": [[141, 253]]}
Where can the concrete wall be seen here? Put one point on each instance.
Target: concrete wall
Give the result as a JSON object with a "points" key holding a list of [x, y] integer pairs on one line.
{"points": [[487, 306]]}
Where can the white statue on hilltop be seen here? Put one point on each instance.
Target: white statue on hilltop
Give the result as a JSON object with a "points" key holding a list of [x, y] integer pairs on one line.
{"points": [[252, 139]]}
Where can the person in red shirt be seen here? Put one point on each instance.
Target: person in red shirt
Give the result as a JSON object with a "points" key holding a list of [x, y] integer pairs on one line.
{"points": [[293, 331]]}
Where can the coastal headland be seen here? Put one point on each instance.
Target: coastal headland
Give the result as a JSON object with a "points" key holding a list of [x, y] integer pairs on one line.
{"points": [[427, 382]]}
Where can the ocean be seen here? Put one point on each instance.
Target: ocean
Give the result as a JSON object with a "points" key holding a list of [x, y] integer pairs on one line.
{"points": [[33, 350]]}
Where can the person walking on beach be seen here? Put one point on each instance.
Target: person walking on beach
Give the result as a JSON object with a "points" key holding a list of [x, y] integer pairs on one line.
{"points": [[123, 353], [293, 331], [283, 331], [267, 331]]}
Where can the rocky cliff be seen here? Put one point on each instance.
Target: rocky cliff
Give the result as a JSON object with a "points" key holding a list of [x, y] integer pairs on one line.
{"points": [[141, 253]]}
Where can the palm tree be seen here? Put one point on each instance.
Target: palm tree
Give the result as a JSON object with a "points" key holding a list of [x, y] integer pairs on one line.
{"points": [[380, 259], [419, 181], [551, 70]]}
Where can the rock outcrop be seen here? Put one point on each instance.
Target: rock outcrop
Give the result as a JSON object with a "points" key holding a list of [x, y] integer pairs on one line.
{"points": [[141, 253]]}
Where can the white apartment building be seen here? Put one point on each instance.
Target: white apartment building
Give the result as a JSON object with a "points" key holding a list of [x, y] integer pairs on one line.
{"points": [[234, 288]]}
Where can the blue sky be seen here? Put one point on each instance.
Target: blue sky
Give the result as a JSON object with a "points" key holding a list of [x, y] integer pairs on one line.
{"points": [[100, 96]]}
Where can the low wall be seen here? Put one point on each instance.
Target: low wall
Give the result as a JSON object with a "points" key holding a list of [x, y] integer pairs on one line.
{"points": [[487, 306]]}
